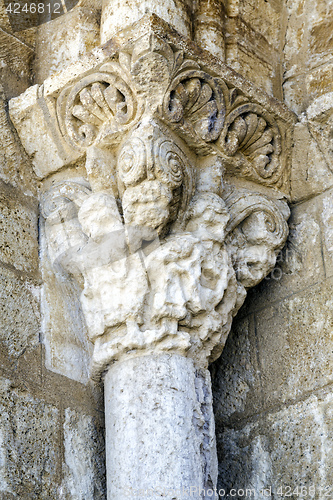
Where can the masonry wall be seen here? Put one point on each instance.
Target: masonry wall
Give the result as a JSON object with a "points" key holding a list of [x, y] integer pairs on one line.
{"points": [[273, 384], [51, 427]]}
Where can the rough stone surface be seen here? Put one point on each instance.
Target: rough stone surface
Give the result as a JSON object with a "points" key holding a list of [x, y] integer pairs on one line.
{"points": [[281, 453], [29, 451], [32, 398], [160, 432], [84, 459], [18, 231], [19, 321], [65, 40], [238, 391], [117, 15], [273, 384], [160, 247]]}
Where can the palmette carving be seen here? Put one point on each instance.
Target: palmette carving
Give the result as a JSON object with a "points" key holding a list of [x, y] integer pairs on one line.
{"points": [[156, 80]]}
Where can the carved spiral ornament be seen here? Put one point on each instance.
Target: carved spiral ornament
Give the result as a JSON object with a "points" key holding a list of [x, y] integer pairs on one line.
{"points": [[132, 162], [61, 194], [96, 100], [169, 161], [243, 204]]}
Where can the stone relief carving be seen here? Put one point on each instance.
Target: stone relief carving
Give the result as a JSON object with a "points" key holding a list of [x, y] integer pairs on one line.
{"points": [[162, 248], [163, 266], [202, 108]]}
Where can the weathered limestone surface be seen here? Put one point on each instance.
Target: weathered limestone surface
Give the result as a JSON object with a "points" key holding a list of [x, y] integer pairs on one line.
{"points": [[34, 427], [275, 432], [272, 386], [177, 412], [179, 210]]}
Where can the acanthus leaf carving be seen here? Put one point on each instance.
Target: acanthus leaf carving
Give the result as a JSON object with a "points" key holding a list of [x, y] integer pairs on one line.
{"points": [[197, 97], [98, 101]]}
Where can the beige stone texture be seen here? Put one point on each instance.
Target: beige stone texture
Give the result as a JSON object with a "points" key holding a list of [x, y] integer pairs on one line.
{"points": [[293, 344], [307, 52], [29, 451], [65, 40], [281, 451], [19, 322], [254, 42], [326, 220], [300, 263], [118, 15], [151, 252], [14, 166], [311, 174], [238, 391], [273, 383], [267, 24], [83, 466], [32, 435], [18, 230]]}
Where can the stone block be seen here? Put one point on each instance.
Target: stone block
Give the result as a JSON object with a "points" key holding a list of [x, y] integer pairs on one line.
{"points": [[236, 383], [244, 462], [14, 166], [67, 348], [249, 53], [29, 446], [295, 94], [267, 24], [295, 46], [281, 453], [295, 344], [15, 57], [310, 174], [73, 34], [307, 51], [250, 66], [83, 468], [301, 443], [19, 320], [18, 232], [326, 219], [319, 81]]}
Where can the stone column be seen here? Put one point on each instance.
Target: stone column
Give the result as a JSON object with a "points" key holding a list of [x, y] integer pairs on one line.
{"points": [[179, 208], [160, 435], [208, 27]]}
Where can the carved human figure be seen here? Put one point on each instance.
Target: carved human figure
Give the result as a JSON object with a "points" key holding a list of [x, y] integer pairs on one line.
{"points": [[167, 275]]}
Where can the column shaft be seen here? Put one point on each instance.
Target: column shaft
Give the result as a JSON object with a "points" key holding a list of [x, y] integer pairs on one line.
{"points": [[208, 27], [160, 433]]}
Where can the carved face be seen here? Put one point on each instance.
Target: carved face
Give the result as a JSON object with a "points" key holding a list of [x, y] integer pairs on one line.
{"points": [[151, 170], [256, 258]]}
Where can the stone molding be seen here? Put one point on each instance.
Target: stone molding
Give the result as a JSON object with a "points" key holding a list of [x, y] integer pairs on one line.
{"points": [[183, 207]]}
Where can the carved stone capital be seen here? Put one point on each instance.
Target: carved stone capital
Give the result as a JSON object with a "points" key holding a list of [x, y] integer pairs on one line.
{"points": [[183, 205]]}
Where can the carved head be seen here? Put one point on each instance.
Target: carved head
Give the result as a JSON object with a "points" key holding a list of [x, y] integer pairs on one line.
{"points": [[257, 231], [153, 178]]}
